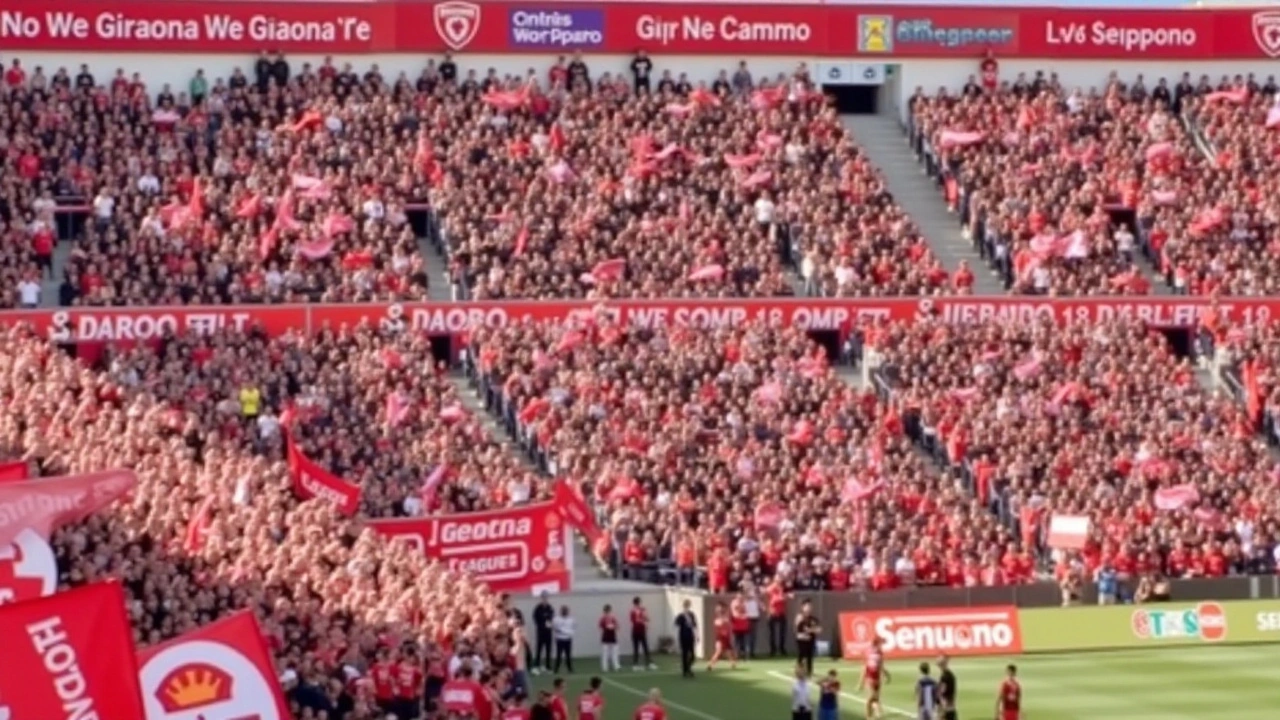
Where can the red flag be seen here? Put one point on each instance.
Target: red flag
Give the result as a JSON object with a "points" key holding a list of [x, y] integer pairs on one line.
{"points": [[69, 655], [312, 481], [397, 409], [522, 240], [557, 140], [195, 206], [43, 504], [768, 516], [571, 504], [225, 663], [13, 471], [198, 527], [250, 207]]}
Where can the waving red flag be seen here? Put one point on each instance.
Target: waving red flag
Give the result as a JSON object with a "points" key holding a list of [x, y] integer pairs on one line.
{"points": [[13, 471], [43, 504], [69, 655], [311, 481]]}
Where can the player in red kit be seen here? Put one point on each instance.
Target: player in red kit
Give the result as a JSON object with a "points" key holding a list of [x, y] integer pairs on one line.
{"points": [[609, 640], [591, 702], [723, 628], [1009, 701], [383, 674], [462, 695], [874, 674], [640, 636], [652, 708], [410, 681], [516, 709], [558, 707]]}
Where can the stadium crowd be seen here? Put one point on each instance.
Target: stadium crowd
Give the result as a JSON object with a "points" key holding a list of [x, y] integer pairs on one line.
{"points": [[1062, 189], [731, 458]]}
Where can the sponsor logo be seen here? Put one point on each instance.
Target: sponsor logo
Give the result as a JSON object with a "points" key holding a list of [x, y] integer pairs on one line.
{"points": [[452, 533], [457, 23], [697, 30], [1206, 621], [1268, 622], [578, 29], [874, 33], [923, 31], [922, 633], [28, 569], [194, 686], [1122, 38], [210, 676], [1266, 31]]}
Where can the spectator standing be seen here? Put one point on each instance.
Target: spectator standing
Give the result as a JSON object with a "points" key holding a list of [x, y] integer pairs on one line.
{"points": [[543, 614], [777, 597], [642, 72], [562, 628], [1108, 582], [752, 593], [640, 635], [609, 640], [29, 292], [687, 632], [807, 630]]}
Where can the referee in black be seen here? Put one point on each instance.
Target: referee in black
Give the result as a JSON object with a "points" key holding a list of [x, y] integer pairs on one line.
{"points": [[947, 690], [687, 631], [807, 631]]}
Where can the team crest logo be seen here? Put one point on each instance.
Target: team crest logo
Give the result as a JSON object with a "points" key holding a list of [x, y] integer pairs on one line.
{"points": [[875, 33], [1266, 31], [205, 679], [28, 569], [457, 23]]}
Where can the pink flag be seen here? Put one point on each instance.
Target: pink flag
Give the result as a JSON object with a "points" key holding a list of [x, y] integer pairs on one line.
{"points": [[757, 179], [561, 172], [284, 212], [1043, 243], [854, 490], [768, 516], [432, 482], [397, 409], [668, 152], [453, 413], [608, 269], [1164, 197], [707, 272], [965, 394], [1273, 116], [1232, 96], [741, 161], [1159, 150], [768, 140], [306, 182], [503, 99], [1027, 369], [315, 249], [680, 109], [1177, 497], [318, 192], [959, 138], [249, 207], [1074, 246], [769, 393], [45, 504], [768, 98], [337, 223]]}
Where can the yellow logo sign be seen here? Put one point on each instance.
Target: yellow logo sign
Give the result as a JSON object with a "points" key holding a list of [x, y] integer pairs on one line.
{"points": [[875, 33], [192, 686]]}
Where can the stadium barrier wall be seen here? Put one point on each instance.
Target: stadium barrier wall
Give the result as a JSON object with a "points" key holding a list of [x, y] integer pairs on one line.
{"points": [[1152, 625], [586, 606], [828, 606]]}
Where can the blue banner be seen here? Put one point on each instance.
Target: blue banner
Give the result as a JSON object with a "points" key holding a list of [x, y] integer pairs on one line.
{"points": [[556, 29]]}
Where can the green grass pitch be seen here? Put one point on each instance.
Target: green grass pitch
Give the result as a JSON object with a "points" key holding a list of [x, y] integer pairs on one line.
{"points": [[1236, 682]]}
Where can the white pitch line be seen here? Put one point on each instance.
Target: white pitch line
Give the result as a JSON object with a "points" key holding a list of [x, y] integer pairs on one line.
{"points": [[849, 696], [645, 694]]}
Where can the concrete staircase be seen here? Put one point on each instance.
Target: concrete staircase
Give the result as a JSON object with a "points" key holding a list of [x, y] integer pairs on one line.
{"points": [[886, 145], [439, 289], [53, 281], [585, 567]]}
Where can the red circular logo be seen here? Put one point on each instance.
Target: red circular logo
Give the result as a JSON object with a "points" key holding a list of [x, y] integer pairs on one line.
{"points": [[1141, 624], [861, 630], [1213, 621]]}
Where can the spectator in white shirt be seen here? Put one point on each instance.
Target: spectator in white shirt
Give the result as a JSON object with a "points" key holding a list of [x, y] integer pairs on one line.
{"points": [[29, 293], [562, 633], [104, 206], [765, 210]]}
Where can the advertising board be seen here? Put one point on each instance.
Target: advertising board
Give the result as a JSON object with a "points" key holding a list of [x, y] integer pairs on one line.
{"points": [[808, 30], [958, 632], [1154, 625]]}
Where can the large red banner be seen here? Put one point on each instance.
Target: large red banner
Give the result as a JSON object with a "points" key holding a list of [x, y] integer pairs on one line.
{"points": [[91, 329], [906, 31], [521, 549], [69, 655], [221, 670], [310, 480], [43, 504]]}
